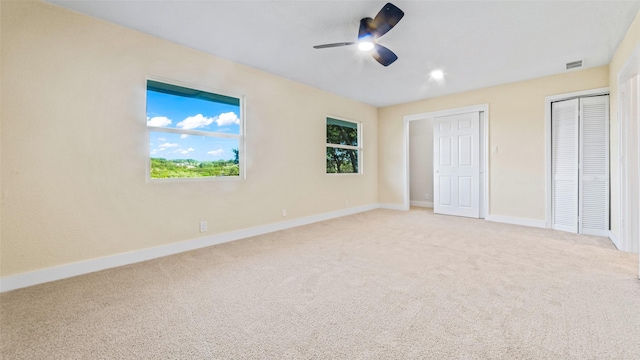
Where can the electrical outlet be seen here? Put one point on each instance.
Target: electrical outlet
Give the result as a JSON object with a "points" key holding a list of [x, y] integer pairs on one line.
{"points": [[427, 196], [284, 212], [203, 226]]}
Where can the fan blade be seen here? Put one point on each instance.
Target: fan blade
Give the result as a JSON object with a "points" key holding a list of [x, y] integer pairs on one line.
{"points": [[386, 19], [324, 46], [383, 55], [365, 27]]}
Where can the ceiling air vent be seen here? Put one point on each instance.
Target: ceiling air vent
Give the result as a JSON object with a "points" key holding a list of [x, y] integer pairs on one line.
{"points": [[574, 64]]}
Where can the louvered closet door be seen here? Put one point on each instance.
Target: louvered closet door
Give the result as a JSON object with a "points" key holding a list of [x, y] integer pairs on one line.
{"points": [[564, 162], [594, 169]]}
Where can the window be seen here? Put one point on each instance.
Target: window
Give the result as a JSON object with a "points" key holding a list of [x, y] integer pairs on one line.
{"points": [[343, 147], [193, 133]]}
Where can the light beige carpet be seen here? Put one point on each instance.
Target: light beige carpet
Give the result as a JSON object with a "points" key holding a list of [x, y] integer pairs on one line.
{"points": [[377, 285]]}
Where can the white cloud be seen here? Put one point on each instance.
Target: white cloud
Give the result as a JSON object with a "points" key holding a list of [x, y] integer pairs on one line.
{"points": [[167, 145], [216, 152], [227, 118], [185, 152], [159, 121], [184, 136], [194, 122], [162, 139]]}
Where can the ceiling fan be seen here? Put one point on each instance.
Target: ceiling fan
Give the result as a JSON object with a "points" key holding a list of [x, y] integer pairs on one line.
{"points": [[370, 30]]}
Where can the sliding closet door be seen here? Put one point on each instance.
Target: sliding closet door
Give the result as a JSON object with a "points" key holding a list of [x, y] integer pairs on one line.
{"points": [[564, 162], [594, 169]]}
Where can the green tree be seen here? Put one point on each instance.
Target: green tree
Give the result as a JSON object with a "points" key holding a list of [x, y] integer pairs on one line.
{"points": [[236, 156], [342, 160]]}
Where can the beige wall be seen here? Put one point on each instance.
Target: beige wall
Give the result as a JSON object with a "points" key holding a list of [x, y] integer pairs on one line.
{"points": [[516, 127], [74, 143], [74, 150], [421, 160], [630, 42]]}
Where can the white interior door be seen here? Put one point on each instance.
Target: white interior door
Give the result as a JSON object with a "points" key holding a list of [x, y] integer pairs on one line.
{"points": [[564, 165], [456, 165]]}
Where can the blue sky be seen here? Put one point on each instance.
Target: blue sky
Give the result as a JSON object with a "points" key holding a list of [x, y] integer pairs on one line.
{"points": [[178, 112]]}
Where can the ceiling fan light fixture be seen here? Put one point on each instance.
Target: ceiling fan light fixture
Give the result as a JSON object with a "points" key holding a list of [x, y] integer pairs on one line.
{"points": [[365, 43], [370, 30]]}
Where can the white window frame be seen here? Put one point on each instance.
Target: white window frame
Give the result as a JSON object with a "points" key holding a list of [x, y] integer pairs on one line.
{"points": [[358, 148], [240, 136]]}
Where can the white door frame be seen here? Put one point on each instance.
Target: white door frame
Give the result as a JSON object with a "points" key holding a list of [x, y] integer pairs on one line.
{"points": [[484, 146], [630, 70], [547, 143]]}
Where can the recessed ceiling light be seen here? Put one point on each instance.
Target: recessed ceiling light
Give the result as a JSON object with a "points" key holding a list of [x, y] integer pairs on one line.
{"points": [[437, 75]]}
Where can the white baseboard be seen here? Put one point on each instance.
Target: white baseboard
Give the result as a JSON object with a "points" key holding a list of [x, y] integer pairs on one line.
{"points": [[18, 281], [427, 204], [393, 207], [516, 221]]}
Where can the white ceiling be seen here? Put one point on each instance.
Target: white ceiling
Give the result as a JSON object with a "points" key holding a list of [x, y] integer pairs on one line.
{"points": [[477, 43]]}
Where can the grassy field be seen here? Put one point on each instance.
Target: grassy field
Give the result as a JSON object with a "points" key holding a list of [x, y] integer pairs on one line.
{"points": [[188, 168]]}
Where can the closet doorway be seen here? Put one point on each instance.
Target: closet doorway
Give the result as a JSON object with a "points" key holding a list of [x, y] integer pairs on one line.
{"points": [[413, 161]]}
